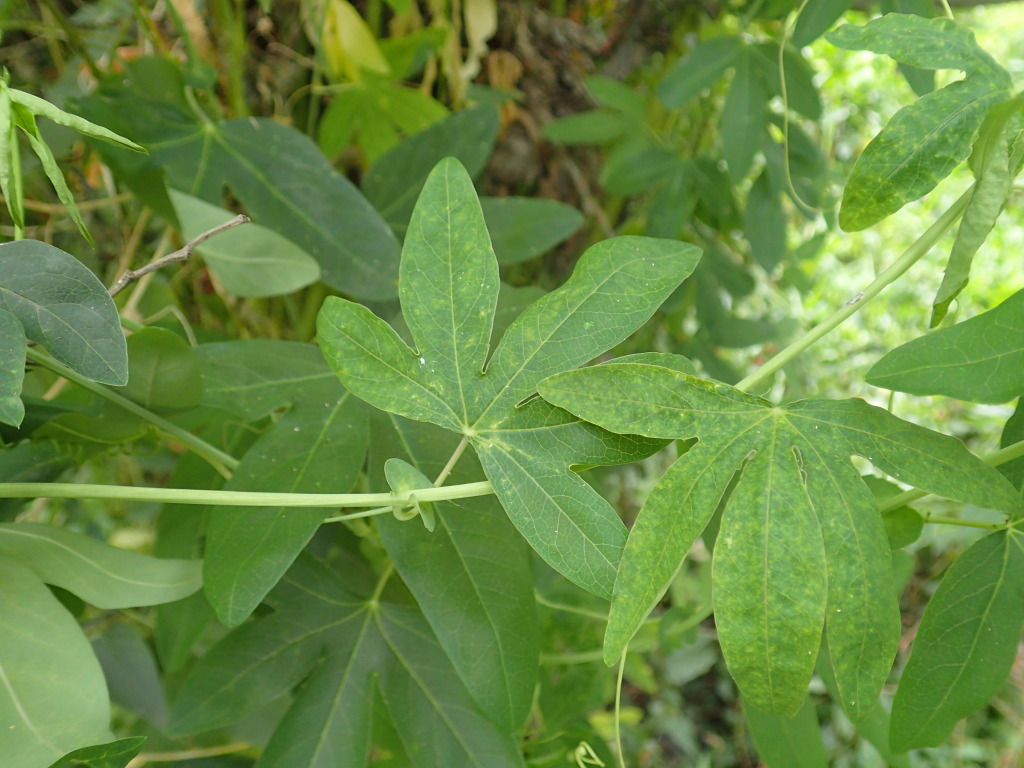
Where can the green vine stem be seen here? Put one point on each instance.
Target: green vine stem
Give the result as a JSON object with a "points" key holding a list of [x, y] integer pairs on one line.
{"points": [[237, 498], [907, 259], [222, 462], [987, 526]]}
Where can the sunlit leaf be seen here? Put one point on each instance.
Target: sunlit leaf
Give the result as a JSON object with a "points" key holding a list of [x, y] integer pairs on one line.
{"points": [[801, 539], [980, 360], [449, 290]]}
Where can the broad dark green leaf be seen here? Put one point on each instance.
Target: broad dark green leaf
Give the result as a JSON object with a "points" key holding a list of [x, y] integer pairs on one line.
{"points": [[394, 182], [990, 162], [278, 174], [287, 185], [924, 141], [64, 307], [788, 742], [966, 643], [252, 378], [743, 116], [12, 368], [249, 261], [449, 291], [698, 70], [980, 360], [54, 698], [131, 672], [342, 647], [317, 447], [115, 754], [471, 577], [816, 19], [801, 537], [98, 573], [524, 227], [163, 370]]}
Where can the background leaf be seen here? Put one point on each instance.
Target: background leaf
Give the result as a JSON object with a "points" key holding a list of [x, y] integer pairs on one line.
{"points": [[249, 261], [98, 573], [164, 371], [788, 742], [54, 699], [743, 117], [394, 182], [64, 307], [524, 227], [980, 360], [966, 643], [699, 69]]}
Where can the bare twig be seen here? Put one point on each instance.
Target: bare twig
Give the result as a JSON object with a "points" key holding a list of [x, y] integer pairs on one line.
{"points": [[181, 254]]}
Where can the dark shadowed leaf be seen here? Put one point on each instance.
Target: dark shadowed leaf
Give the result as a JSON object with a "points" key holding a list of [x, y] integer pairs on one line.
{"points": [[788, 742], [524, 227], [12, 368], [164, 371], [64, 307]]}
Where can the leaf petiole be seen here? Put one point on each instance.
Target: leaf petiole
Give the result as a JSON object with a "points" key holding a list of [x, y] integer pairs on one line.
{"points": [[237, 498], [218, 459], [907, 259]]}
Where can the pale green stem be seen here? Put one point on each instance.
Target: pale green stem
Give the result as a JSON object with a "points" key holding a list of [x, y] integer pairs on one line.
{"points": [[988, 526], [909, 257], [569, 608], [356, 515], [1009, 453], [456, 455], [236, 498], [222, 462]]}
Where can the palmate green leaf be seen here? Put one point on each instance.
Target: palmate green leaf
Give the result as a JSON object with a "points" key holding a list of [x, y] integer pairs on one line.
{"points": [[470, 576], [924, 141], [64, 307], [54, 699], [801, 538], [100, 574], [249, 261], [990, 162], [980, 360], [449, 291], [966, 644], [43, 108], [314, 448], [343, 647], [12, 368]]}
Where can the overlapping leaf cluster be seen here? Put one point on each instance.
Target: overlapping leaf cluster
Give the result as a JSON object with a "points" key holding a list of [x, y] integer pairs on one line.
{"points": [[449, 288], [801, 542]]}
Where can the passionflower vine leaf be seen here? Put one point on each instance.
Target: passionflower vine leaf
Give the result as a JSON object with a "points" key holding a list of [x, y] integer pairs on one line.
{"points": [[448, 289], [801, 544]]}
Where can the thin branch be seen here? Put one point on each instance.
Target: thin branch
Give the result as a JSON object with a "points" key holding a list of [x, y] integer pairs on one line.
{"points": [[182, 254]]}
